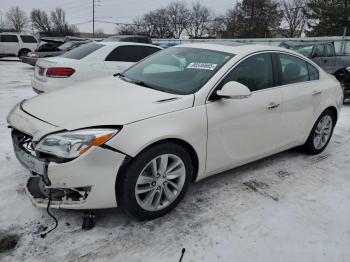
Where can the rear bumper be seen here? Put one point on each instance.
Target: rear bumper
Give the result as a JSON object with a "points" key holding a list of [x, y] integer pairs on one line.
{"points": [[28, 60]]}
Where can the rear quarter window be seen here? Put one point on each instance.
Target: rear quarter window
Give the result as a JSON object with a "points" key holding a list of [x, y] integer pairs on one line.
{"points": [[82, 51], [9, 38], [28, 39]]}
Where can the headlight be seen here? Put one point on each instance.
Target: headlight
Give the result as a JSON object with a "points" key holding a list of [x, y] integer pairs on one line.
{"points": [[33, 55], [348, 68], [73, 144]]}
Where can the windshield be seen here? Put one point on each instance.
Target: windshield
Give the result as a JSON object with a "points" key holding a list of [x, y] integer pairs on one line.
{"points": [[178, 70], [305, 49]]}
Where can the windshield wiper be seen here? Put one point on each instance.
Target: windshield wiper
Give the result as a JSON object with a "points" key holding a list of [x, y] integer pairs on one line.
{"points": [[119, 74], [140, 83]]}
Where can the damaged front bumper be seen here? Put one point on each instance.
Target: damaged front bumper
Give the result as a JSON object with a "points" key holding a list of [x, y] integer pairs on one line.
{"points": [[87, 182]]}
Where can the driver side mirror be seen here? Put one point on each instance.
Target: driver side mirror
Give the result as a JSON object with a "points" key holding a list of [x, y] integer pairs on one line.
{"points": [[234, 90]]}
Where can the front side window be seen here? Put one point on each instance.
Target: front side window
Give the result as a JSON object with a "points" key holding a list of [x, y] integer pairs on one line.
{"points": [[28, 39], [9, 38], [254, 72], [294, 70], [178, 70], [319, 51], [82, 51], [313, 72]]}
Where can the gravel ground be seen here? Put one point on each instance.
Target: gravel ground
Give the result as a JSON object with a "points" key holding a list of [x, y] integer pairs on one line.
{"points": [[288, 207]]}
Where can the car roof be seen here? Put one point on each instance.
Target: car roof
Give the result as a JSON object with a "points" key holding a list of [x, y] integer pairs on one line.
{"points": [[301, 42], [235, 49], [127, 36], [111, 43]]}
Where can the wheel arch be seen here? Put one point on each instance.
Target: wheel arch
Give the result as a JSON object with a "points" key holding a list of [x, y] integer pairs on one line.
{"points": [[23, 49], [189, 148], [334, 110]]}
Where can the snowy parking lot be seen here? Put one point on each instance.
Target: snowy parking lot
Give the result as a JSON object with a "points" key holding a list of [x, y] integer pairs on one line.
{"points": [[288, 207]]}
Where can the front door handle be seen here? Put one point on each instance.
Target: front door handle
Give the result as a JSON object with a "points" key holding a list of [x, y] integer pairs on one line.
{"points": [[273, 105], [316, 93]]}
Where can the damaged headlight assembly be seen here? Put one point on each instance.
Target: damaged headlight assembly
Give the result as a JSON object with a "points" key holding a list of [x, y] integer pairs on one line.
{"points": [[70, 145]]}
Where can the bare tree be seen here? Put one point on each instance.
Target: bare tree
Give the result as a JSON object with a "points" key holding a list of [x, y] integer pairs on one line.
{"points": [[41, 21], [216, 27], [58, 19], [197, 24], [159, 22], [178, 15], [294, 16], [16, 19], [60, 25]]}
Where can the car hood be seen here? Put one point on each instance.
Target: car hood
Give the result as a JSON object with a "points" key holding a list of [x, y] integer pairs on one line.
{"points": [[103, 102]]}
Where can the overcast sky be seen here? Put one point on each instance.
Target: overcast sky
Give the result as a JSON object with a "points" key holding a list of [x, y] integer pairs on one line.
{"points": [[80, 11]]}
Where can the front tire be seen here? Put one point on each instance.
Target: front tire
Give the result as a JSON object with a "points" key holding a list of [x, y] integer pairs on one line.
{"points": [[321, 133], [155, 181]]}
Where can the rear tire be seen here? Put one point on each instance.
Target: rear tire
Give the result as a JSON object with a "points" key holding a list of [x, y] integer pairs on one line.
{"points": [[321, 133], [155, 181]]}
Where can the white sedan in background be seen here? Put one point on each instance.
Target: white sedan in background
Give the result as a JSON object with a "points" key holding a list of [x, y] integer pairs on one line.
{"points": [[139, 139], [86, 62]]}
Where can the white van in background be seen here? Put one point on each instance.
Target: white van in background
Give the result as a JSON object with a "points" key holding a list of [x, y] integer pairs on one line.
{"points": [[13, 44]]}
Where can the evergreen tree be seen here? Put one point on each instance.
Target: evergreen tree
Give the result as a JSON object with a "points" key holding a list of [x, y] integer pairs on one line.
{"points": [[328, 17]]}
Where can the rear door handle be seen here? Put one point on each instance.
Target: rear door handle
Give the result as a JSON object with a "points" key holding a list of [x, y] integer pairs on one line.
{"points": [[316, 93], [273, 105]]}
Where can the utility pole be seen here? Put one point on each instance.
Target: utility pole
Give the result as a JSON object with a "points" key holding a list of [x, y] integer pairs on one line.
{"points": [[93, 18]]}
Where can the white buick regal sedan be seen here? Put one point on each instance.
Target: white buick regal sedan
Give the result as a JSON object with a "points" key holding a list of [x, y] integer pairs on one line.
{"points": [[88, 61], [138, 140]]}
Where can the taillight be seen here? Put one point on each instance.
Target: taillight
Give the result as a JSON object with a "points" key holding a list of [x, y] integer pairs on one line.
{"points": [[59, 72]]}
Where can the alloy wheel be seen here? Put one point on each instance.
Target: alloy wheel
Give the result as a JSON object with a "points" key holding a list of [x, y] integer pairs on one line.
{"points": [[160, 182]]}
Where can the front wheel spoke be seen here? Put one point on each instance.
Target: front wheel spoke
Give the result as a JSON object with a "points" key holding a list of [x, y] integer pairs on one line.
{"points": [[168, 194], [163, 164], [174, 165], [149, 198], [173, 185], [175, 174], [157, 198], [144, 190], [154, 167], [144, 180]]}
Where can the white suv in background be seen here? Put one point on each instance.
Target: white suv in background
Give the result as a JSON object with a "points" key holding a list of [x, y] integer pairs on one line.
{"points": [[13, 44]]}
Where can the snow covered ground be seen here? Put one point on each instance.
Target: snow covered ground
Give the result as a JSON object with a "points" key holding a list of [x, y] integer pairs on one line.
{"points": [[289, 207]]}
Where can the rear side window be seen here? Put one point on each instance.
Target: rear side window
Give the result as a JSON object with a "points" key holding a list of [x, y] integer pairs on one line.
{"points": [[255, 72], [9, 38], [313, 72], [296, 70], [82, 51], [128, 53], [28, 39]]}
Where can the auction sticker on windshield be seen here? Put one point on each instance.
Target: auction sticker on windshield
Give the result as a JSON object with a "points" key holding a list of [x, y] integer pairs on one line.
{"points": [[205, 66]]}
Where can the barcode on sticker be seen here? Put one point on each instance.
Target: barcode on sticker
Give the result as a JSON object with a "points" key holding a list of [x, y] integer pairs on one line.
{"points": [[205, 66]]}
